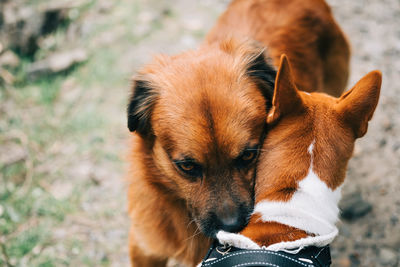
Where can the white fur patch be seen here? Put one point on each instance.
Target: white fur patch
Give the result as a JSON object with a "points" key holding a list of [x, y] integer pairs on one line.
{"points": [[312, 208], [236, 240], [310, 150]]}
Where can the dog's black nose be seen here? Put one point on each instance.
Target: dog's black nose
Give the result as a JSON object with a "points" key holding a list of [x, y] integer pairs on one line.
{"points": [[231, 224], [229, 218]]}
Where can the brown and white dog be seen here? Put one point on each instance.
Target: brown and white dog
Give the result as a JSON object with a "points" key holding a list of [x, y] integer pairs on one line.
{"points": [[199, 119], [303, 163]]}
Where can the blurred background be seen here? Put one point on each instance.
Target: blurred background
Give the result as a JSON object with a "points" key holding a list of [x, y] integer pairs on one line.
{"points": [[65, 69]]}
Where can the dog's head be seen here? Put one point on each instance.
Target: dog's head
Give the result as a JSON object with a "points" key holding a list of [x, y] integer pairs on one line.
{"points": [[202, 113], [301, 124]]}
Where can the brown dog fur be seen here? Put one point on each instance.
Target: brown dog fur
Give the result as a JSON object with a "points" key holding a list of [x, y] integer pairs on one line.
{"points": [[304, 30], [210, 105]]}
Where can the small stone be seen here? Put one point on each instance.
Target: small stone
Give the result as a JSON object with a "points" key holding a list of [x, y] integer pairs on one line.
{"points": [[394, 220], [11, 153], [6, 76], [396, 147], [382, 142], [387, 125], [57, 62], [354, 259], [9, 59], [353, 206], [387, 257], [392, 240]]}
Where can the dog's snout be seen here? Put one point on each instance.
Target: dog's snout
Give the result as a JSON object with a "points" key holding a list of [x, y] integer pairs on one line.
{"points": [[229, 217], [231, 223]]}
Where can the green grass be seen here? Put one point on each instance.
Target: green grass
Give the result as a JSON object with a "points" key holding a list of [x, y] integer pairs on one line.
{"points": [[58, 133], [29, 211]]}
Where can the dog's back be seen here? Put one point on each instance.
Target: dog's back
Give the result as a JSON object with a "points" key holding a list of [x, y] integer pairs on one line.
{"points": [[305, 30]]}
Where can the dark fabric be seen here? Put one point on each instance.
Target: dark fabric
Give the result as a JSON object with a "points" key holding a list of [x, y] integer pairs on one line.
{"points": [[225, 256]]}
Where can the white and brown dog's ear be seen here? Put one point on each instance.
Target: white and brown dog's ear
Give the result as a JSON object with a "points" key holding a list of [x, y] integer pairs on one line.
{"points": [[357, 105], [140, 106], [286, 97]]}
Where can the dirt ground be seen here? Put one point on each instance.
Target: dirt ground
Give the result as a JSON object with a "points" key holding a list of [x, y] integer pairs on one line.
{"points": [[375, 168], [88, 166]]}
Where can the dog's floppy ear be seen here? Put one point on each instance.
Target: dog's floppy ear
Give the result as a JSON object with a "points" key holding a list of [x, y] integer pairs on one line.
{"points": [[286, 97], [257, 64], [140, 106], [357, 105], [263, 74]]}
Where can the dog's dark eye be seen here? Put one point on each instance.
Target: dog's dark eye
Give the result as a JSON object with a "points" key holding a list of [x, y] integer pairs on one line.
{"points": [[247, 157], [189, 167]]}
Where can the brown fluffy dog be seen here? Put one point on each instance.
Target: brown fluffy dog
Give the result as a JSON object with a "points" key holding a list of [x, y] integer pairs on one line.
{"points": [[199, 119]]}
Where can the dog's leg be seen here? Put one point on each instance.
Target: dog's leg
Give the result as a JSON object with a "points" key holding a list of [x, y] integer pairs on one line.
{"points": [[140, 258]]}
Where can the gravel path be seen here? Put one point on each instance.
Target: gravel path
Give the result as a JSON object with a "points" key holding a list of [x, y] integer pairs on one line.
{"points": [[374, 240]]}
